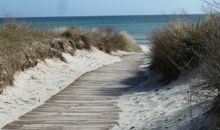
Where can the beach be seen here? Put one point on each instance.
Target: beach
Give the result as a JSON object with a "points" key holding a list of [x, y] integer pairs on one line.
{"points": [[110, 65], [34, 86], [149, 105], [44, 62]]}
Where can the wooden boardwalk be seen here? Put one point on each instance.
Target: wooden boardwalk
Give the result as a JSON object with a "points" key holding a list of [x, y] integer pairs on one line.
{"points": [[90, 103]]}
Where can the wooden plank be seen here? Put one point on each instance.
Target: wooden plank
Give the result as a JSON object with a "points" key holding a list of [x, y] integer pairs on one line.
{"points": [[72, 114], [90, 103], [61, 126]]}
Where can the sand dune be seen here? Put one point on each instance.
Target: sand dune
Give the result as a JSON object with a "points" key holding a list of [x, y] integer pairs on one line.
{"points": [[34, 86]]}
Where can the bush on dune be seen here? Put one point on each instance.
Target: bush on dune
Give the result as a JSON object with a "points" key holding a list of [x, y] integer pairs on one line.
{"points": [[176, 48], [127, 43], [77, 37], [184, 46], [105, 39], [211, 68], [109, 40], [181, 47], [22, 46]]}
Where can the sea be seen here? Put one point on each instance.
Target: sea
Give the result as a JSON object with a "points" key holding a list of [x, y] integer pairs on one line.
{"points": [[139, 27]]}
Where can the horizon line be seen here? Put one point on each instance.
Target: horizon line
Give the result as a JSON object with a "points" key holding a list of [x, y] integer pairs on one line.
{"points": [[100, 15]]}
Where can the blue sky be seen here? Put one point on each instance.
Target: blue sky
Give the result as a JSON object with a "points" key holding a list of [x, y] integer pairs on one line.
{"points": [[35, 8]]}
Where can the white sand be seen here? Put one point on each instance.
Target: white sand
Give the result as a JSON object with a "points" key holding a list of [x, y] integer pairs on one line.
{"points": [[34, 86], [151, 106], [145, 48]]}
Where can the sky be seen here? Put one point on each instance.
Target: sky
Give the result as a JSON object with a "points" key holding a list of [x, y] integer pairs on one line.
{"points": [[39, 8]]}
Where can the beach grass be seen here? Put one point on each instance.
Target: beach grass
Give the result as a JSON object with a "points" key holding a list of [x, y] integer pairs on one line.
{"points": [[127, 43], [177, 47], [183, 47], [105, 39], [22, 46]]}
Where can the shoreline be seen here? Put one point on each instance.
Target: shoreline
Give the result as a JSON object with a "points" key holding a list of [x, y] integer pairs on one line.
{"points": [[35, 85]]}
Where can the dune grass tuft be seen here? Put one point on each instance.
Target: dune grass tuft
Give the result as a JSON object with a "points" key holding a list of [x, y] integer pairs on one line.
{"points": [[77, 36], [127, 43], [106, 39]]}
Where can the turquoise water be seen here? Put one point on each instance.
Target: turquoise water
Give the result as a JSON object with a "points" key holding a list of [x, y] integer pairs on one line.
{"points": [[139, 27]]}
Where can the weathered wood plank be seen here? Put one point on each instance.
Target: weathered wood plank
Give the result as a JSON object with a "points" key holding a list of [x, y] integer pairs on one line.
{"points": [[90, 103]]}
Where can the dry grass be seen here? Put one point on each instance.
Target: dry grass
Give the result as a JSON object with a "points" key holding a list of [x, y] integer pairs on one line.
{"points": [[211, 68], [176, 48], [77, 37], [21, 46], [105, 39], [182, 46], [127, 43], [211, 61]]}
